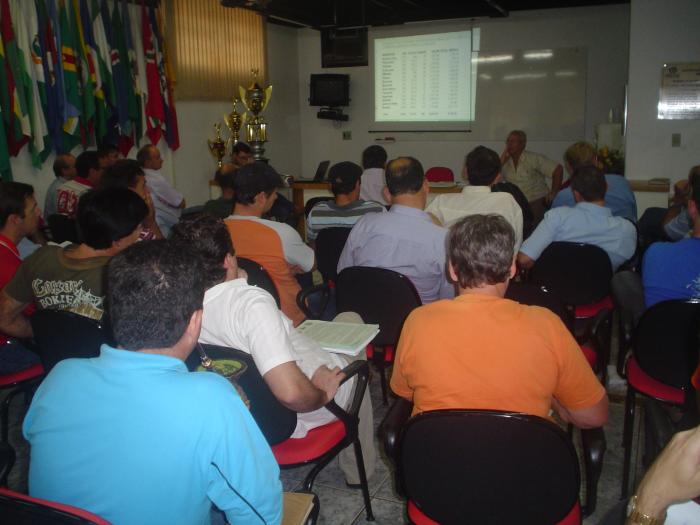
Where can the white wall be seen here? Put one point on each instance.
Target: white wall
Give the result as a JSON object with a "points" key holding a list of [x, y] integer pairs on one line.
{"points": [[602, 30], [660, 32]]}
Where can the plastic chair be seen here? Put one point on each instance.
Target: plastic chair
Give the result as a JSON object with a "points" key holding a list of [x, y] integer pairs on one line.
{"points": [[277, 422], [63, 228], [382, 297], [19, 382], [440, 174], [313, 201], [7, 460], [461, 466], [258, 276], [20, 509], [329, 245], [61, 334], [665, 355]]}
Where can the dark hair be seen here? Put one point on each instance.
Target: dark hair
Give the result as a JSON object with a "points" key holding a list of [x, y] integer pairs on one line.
{"points": [[106, 149], [253, 178], [225, 178], [480, 249], [153, 288], [107, 215], [483, 166], [86, 161], [209, 238], [59, 164], [12, 199], [695, 191], [124, 173], [343, 177], [404, 175], [240, 147], [144, 154], [589, 182], [374, 157]]}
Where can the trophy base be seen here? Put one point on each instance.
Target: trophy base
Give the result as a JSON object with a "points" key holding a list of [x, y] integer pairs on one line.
{"points": [[258, 149]]}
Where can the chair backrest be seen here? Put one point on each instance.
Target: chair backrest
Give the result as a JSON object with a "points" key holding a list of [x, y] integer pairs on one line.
{"points": [[329, 245], [578, 273], [380, 296], [258, 276], [488, 467], [63, 228], [276, 421], [313, 201], [533, 295], [20, 509], [665, 342], [439, 174], [61, 334]]}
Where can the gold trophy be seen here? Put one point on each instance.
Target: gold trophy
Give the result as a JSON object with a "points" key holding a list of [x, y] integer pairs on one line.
{"points": [[217, 147], [234, 121], [255, 99]]}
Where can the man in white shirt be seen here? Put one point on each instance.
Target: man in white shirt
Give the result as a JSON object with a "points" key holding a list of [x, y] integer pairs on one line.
{"points": [[300, 374], [88, 169], [64, 170], [482, 169], [167, 201], [372, 182]]}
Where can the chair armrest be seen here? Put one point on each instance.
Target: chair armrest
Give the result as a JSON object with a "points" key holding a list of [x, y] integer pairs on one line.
{"points": [[361, 370], [7, 460], [390, 428], [594, 446], [304, 294]]}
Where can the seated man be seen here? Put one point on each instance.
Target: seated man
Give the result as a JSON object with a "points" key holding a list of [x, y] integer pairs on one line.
{"points": [[72, 278], [589, 222], [132, 435], [275, 246], [223, 206], [347, 207], [671, 270], [301, 375], [482, 169], [64, 170], [88, 169], [505, 356], [373, 182], [19, 217], [618, 196], [404, 240], [168, 202]]}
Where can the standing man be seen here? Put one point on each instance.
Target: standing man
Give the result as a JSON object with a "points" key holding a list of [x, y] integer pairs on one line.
{"points": [[530, 171], [167, 201], [88, 174], [64, 170], [131, 435], [373, 183]]}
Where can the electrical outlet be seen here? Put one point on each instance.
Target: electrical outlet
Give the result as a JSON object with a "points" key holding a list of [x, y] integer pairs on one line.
{"points": [[347, 135], [675, 140]]}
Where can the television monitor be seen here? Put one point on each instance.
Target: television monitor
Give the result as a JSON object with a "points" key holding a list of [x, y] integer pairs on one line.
{"points": [[330, 90], [344, 47]]}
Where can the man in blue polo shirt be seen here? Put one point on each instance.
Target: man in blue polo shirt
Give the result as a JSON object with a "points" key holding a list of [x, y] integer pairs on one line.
{"points": [[132, 435], [589, 222]]}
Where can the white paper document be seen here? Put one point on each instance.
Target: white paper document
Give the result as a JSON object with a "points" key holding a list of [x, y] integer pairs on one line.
{"points": [[339, 338]]}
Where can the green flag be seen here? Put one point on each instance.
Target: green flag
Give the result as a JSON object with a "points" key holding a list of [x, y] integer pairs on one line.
{"points": [[71, 113], [87, 75], [133, 109], [5, 169], [105, 93]]}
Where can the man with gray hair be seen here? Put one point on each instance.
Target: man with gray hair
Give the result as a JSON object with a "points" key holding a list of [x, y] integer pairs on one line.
{"points": [[505, 356]]}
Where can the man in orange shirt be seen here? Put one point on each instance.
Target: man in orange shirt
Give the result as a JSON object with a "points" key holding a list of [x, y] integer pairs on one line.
{"points": [[504, 356]]}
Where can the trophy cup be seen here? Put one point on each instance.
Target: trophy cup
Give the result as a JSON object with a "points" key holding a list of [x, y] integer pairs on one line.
{"points": [[234, 121], [217, 147], [255, 99]]}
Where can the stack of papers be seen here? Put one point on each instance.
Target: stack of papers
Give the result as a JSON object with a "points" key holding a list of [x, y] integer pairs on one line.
{"points": [[340, 338]]}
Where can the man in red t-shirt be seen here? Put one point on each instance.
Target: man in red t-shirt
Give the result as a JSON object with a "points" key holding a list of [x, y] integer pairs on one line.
{"points": [[19, 218]]}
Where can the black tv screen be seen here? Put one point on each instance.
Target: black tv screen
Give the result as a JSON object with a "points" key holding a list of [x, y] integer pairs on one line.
{"points": [[344, 47], [330, 90]]}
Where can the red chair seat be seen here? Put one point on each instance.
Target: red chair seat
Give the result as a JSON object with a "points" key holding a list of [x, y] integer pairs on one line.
{"points": [[585, 311], [417, 517], [439, 174], [89, 517], [32, 372], [644, 383], [590, 355], [388, 353], [317, 442]]}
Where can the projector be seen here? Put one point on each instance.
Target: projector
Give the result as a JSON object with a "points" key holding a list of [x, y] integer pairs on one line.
{"points": [[332, 114]]}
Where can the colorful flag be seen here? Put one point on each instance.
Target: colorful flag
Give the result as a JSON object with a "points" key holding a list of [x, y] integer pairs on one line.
{"points": [[5, 169], [154, 97], [120, 74], [71, 85], [172, 136], [87, 78], [53, 71], [14, 101], [105, 121], [138, 65]]}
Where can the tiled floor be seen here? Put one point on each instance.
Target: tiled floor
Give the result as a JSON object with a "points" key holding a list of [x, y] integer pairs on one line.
{"points": [[341, 505]]}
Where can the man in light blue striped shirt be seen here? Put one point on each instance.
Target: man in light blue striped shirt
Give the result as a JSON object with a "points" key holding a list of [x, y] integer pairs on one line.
{"points": [[347, 207]]}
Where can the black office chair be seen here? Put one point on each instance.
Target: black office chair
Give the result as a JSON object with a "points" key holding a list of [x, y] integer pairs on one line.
{"points": [[382, 297], [20, 509], [313, 201], [63, 229], [486, 467], [61, 334], [664, 357], [7, 460], [329, 245], [258, 276], [277, 422]]}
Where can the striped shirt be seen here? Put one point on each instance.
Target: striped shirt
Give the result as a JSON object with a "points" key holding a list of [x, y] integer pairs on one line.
{"points": [[327, 214]]}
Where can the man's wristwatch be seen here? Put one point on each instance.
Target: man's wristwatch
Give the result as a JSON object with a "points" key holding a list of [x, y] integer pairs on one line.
{"points": [[637, 516]]}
